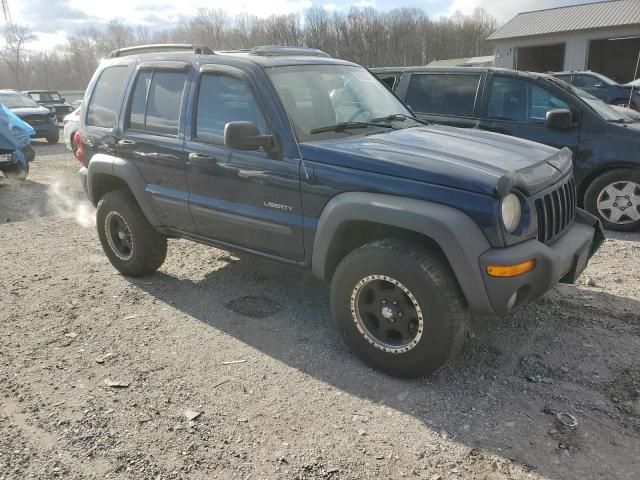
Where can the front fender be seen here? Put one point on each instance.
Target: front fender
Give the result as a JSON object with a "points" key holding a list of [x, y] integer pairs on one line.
{"points": [[104, 164], [456, 233]]}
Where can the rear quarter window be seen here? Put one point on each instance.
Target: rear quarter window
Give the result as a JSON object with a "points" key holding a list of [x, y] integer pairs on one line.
{"points": [[105, 100], [443, 94]]}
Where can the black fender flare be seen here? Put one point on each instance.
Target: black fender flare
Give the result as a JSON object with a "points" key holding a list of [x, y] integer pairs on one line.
{"points": [[455, 232], [126, 171]]}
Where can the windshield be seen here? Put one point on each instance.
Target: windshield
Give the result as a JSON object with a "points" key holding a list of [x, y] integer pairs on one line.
{"points": [[605, 111], [16, 100], [46, 96], [319, 96]]}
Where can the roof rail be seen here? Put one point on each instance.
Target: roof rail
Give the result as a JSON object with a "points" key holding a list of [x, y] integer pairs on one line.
{"points": [[277, 50], [161, 47]]}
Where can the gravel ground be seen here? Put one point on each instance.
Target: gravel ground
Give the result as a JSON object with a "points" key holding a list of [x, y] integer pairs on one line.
{"points": [[226, 366]]}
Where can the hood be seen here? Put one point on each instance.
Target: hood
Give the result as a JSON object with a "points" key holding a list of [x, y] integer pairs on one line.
{"points": [[466, 159], [23, 112]]}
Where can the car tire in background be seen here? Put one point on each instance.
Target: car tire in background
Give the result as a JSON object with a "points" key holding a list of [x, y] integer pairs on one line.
{"points": [[399, 307], [133, 247], [53, 138], [20, 173], [614, 197]]}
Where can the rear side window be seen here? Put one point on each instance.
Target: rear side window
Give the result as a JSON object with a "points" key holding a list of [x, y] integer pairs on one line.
{"points": [[223, 99], [156, 101], [443, 94], [102, 108], [586, 81]]}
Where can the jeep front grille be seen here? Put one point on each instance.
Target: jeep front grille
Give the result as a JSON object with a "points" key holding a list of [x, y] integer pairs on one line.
{"points": [[556, 211]]}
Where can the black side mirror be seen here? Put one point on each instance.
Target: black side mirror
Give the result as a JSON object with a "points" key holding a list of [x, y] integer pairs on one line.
{"points": [[246, 136], [559, 119]]}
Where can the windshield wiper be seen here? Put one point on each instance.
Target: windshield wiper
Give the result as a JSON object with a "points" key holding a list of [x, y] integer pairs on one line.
{"points": [[342, 126], [401, 117]]}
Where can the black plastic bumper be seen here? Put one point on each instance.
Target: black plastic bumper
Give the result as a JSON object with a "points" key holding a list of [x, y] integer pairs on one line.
{"points": [[563, 261]]}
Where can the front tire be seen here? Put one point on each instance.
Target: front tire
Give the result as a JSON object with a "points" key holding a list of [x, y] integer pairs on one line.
{"points": [[399, 307], [133, 247], [614, 197], [20, 173]]}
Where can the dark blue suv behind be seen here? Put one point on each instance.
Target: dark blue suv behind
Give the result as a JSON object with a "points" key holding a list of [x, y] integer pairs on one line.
{"points": [[603, 87], [538, 107], [309, 160]]}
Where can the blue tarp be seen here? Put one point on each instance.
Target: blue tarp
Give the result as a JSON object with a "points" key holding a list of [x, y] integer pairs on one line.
{"points": [[15, 134]]}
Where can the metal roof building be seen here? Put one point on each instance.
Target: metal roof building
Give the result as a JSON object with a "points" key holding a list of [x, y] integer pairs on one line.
{"points": [[600, 36]]}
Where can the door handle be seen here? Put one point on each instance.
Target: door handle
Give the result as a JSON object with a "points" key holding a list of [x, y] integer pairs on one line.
{"points": [[126, 143], [201, 156]]}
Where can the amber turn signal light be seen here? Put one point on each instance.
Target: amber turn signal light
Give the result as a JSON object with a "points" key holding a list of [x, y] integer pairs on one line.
{"points": [[511, 270]]}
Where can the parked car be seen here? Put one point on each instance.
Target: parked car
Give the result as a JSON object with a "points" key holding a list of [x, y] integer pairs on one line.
{"points": [[71, 125], [542, 108], [53, 101], [306, 159], [602, 87], [42, 120], [15, 145]]}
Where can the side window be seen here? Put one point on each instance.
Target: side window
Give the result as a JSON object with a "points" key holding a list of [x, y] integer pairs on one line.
{"points": [[520, 101], [102, 108], [443, 94], [223, 99], [586, 81], [156, 100]]}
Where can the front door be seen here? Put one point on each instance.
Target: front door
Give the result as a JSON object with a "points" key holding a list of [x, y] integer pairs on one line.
{"points": [[244, 198], [518, 107]]}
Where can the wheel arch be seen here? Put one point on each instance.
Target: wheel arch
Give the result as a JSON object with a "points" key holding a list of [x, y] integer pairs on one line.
{"points": [[592, 176], [350, 220], [107, 173]]}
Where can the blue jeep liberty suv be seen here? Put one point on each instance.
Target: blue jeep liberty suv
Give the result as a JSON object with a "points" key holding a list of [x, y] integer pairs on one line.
{"points": [[293, 155]]}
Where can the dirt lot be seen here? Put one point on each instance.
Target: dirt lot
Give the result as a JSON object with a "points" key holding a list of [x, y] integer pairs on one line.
{"points": [[99, 372]]}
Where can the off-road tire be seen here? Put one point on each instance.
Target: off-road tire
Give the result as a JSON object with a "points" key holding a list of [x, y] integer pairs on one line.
{"points": [[602, 181], [428, 277], [53, 139], [148, 247], [20, 173]]}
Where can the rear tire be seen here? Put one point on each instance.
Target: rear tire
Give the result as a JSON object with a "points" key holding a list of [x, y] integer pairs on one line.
{"points": [[53, 138], [132, 245], [20, 173], [614, 197], [399, 307]]}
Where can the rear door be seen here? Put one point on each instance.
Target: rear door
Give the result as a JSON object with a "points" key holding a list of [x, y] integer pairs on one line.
{"points": [[450, 98], [517, 106], [152, 139], [245, 198]]}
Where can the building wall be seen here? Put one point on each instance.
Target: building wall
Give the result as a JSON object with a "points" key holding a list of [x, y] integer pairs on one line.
{"points": [[576, 45]]}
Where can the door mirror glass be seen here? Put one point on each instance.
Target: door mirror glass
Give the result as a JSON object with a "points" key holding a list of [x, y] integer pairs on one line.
{"points": [[559, 119], [244, 135]]}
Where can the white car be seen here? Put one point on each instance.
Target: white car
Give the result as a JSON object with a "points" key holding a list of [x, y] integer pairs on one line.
{"points": [[71, 125]]}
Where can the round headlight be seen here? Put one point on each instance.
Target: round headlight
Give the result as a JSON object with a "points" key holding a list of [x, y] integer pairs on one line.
{"points": [[511, 210]]}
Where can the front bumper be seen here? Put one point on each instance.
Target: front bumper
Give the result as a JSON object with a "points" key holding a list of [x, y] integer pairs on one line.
{"points": [[48, 130], [563, 261]]}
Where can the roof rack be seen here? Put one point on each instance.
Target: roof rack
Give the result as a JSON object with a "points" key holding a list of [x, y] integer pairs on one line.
{"points": [[277, 51], [161, 47]]}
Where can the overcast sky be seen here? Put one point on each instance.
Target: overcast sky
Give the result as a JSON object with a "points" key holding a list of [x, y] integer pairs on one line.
{"points": [[52, 20]]}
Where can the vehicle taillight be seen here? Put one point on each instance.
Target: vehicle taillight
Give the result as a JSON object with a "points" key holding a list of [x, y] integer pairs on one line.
{"points": [[77, 138]]}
